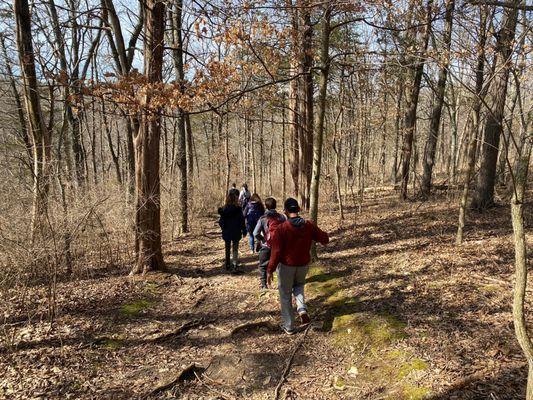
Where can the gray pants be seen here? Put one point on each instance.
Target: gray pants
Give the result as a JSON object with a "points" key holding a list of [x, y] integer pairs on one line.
{"points": [[291, 281], [264, 258]]}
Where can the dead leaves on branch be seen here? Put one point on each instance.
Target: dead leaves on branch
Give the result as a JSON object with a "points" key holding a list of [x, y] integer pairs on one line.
{"points": [[135, 93]]}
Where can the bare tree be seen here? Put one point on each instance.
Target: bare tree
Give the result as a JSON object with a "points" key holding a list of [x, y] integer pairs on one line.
{"points": [[431, 143], [40, 134], [147, 180], [176, 18], [484, 195], [417, 69]]}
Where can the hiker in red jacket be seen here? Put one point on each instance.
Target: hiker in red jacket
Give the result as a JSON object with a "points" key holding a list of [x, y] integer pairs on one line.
{"points": [[290, 256]]}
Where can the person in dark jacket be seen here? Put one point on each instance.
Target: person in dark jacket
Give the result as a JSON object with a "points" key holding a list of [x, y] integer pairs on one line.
{"points": [[290, 256], [263, 232], [252, 212], [233, 230], [234, 190]]}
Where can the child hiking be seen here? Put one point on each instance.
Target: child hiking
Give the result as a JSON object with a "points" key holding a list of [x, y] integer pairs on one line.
{"points": [[233, 229], [290, 246], [252, 212], [263, 232]]}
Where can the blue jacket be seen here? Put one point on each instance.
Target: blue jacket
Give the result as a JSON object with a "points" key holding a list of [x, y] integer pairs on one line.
{"points": [[252, 212], [232, 222]]}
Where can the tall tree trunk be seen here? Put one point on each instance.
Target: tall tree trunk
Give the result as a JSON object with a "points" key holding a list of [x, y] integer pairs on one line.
{"points": [[306, 98], [123, 57], [39, 132], [484, 195], [452, 159], [474, 130], [319, 135], [114, 155], [132, 129], [71, 117], [521, 264], [431, 144], [182, 134], [283, 156], [190, 151], [252, 157], [228, 159], [294, 133], [147, 182], [23, 133], [410, 115], [294, 99], [397, 123]]}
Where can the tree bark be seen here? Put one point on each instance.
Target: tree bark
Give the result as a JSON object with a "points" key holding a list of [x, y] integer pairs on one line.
{"points": [[295, 130], [306, 99], [410, 115], [521, 265], [40, 134], [319, 135], [484, 195], [182, 134], [397, 123], [147, 182], [431, 144], [476, 109]]}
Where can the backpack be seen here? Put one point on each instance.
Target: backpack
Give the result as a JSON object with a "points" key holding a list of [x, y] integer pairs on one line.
{"points": [[253, 215], [272, 224]]}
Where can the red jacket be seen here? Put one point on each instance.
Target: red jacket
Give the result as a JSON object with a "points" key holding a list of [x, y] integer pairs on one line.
{"points": [[291, 243]]}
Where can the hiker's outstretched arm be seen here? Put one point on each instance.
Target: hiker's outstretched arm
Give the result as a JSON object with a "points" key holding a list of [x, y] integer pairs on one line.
{"points": [[319, 235]]}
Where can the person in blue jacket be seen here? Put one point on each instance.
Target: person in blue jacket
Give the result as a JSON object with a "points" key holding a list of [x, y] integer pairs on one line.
{"points": [[233, 230], [252, 212]]}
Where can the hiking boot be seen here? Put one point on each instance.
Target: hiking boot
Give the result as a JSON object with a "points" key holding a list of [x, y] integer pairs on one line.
{"points": [[227, 266], [235, 270], [288, 331], [304, 318]]}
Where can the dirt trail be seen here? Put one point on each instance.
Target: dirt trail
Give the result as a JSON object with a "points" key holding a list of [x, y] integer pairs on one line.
{"points": [[399, 313]]}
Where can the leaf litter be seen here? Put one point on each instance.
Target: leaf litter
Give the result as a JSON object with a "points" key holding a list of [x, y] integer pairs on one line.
{"points": [[400, 312]]}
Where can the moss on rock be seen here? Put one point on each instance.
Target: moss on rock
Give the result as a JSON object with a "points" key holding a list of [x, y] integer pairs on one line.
{"points": [[416, 364], [364, 329], [135, 308]]}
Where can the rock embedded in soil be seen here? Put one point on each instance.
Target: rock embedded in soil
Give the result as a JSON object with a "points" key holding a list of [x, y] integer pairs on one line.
{"points": [[246, 371]]}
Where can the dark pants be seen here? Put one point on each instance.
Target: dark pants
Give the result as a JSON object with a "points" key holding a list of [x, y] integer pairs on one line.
{"points": [[229, 244], [264, 258]]}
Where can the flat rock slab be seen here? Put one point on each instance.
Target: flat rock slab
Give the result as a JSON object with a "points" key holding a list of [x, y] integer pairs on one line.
{"points": [[246, 371]]}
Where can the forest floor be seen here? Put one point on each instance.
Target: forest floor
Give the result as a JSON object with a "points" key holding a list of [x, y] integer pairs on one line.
{"points": [[399, 312]]}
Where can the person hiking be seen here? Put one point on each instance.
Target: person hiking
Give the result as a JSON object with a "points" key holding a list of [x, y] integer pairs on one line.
{"points": [[233, 230], [244, 196], [290, 256], [263, 232], [252, 212], [234, 190]]}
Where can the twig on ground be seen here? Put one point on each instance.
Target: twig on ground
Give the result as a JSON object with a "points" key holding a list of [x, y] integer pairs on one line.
{"points": [[250, 325], [185, 373], [289, 364], [178, 331]]}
